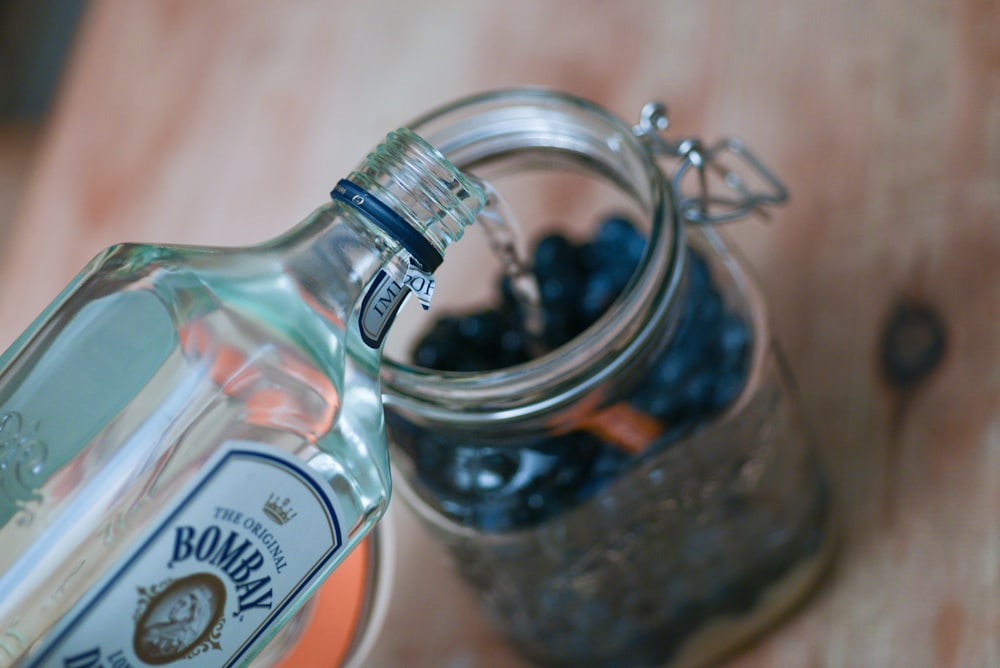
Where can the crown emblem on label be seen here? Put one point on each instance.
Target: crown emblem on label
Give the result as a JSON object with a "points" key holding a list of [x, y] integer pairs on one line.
{"points": [[278, 509]]}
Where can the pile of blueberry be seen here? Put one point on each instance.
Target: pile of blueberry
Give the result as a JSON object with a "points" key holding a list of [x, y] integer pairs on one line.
{"points": [[499, 488], [576, 285]]}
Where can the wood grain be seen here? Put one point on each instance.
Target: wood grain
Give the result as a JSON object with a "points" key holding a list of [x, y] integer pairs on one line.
{"points": [[224, 122]]}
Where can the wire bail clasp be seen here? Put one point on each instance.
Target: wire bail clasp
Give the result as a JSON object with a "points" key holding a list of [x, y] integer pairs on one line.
{"points": [[722, 163]]}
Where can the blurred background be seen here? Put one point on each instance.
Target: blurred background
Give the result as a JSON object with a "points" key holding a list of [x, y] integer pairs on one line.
{"points": [[35, 39], [224, 122]]}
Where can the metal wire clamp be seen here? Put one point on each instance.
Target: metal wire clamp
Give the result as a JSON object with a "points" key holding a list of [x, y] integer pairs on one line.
{"points": [[710, 165]]}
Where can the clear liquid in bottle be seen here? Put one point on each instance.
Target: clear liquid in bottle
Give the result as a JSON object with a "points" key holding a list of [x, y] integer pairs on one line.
{"points": [[191, 439]]}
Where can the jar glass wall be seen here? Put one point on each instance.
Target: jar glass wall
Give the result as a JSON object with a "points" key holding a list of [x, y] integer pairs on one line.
{"points": [[645, 491]]}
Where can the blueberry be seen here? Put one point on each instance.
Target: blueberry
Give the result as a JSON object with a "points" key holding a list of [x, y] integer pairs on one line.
{"points": [[610, 259], [600, 290], [557, 290], [433, 354], [699, 276], [621, 232], [706, 310], [734, 339], [553, 250], [617, 242], [513, 348], [482, 331], [670, 370], [558, 271], [727, 388], [436, 350], [666, 405], [687, 358], [699, 392], [560, 327]]}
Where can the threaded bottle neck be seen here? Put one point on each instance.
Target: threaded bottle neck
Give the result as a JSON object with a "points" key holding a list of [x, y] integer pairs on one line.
{"points": [[421, 185]]}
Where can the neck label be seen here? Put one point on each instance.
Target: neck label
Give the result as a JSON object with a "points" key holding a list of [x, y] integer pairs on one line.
{"points": [[385, 297]]}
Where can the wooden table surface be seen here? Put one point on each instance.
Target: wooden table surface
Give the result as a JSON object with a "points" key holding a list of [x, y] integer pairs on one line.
{"points": [[224, 122]]}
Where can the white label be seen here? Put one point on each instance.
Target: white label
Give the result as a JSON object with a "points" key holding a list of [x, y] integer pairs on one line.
{"points": [[420, 284], [384, 298], [255, 530]]}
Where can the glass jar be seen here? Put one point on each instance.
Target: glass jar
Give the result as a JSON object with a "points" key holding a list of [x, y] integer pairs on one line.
{"points": [[644, 493]]}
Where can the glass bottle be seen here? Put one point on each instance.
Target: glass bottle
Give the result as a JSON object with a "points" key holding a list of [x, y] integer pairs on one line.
{"points": [[192, 438], [612, 504]]}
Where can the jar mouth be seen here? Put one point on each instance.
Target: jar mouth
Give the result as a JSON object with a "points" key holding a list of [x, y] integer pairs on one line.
{"points": [[522, 129]]}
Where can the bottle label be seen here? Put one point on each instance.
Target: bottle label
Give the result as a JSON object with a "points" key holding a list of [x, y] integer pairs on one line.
{"points": [[385, 296], [256, 530]]}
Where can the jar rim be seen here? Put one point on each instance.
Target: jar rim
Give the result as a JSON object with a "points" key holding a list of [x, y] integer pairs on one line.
{"points": [[484, 127]]}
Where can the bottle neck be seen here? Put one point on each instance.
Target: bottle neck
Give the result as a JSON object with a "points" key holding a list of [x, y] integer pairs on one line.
{"points": [[401, 208], [414, 181]]}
